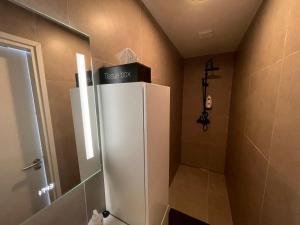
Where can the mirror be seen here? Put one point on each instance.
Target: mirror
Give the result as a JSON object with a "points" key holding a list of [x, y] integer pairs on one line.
{"points": [[49, 139]]}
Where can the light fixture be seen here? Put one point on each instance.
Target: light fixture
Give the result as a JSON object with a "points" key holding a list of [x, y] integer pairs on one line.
{"points": [[85, 109], [206, 34]]}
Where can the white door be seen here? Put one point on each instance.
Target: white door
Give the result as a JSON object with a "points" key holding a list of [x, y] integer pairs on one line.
{"points": [[20, 142]]}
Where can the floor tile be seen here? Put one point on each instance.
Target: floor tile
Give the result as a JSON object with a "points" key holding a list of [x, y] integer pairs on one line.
{"points": [[189, 192], [201, 194]]}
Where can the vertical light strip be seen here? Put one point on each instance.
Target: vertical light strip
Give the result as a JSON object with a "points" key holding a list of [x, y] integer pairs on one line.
{"points": [[85, 106]]}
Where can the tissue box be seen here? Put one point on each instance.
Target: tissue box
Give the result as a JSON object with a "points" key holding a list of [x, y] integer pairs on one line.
{"points": [[133, 72]]}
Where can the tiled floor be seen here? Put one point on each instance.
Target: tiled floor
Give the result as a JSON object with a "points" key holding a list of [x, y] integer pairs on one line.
{"points": [[202, 195]]}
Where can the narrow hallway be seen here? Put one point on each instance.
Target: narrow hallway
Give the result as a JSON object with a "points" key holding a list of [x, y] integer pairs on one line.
{"points": [[201, 194]]}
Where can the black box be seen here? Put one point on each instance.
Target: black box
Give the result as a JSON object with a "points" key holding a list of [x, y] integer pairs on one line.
{"points": [[133, 72]]}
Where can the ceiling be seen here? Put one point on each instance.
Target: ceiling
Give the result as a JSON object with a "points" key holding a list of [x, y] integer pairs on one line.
{"points": [[202, 27]]}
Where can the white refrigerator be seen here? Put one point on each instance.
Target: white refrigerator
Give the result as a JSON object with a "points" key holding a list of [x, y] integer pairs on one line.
{"points": [[135, 127]]}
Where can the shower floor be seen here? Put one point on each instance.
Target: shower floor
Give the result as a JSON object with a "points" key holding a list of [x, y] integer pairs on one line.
{"points": [[201, 194]]}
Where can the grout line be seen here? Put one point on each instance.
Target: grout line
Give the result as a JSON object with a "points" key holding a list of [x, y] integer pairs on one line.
{"points": [[256, 148], [209, 193], [286, 35], [281, 61], [228, 199], [249, 78], [85, 203], [48, 17], [257, 70], [263, 196], [291, 54], [287, 30], [276, 110], [203, 169], [194, 167]]}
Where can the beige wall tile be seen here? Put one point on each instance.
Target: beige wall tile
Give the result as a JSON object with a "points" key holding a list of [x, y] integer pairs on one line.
{"points": [[239, 99], [63, 129], [281, 202], [293, 33], [262, 101], [59, 48], [233, 164], [216, 161], [55, 8], [248, 185], [86, 16], [119, 28], [284, 179], [195, 153], [265, 44], [22, 23]]}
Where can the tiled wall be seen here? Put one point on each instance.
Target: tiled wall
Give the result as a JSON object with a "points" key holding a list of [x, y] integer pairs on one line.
{"points": [[117, 24], [206, 149], [263, 160]]}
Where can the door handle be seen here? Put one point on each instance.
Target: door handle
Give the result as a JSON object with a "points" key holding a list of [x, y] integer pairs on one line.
{"points": [[36, 164]]}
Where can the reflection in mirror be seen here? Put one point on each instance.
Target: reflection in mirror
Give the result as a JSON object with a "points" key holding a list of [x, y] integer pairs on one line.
{"points": [[50, 141], [85, 120]]}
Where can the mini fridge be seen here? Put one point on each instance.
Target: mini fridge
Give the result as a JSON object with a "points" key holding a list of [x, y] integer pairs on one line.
{"points": [[135, 127]]}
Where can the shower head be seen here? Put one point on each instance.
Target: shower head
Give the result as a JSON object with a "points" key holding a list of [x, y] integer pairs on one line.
{"points": [[209, 66]]}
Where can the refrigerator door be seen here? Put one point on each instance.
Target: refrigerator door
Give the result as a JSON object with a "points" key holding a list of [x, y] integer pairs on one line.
{"points": [[122, 135]]}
